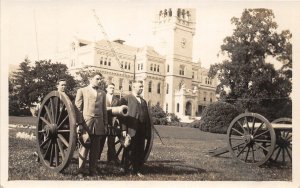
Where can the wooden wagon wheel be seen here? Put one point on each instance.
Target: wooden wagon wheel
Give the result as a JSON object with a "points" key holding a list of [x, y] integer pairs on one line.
{"points": [[148, 143], [56, 131], [251, 139], [283, 149]]}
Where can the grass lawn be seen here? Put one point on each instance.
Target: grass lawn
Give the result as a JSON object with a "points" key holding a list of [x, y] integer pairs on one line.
{"points": [[26, 120], [183, 156]]}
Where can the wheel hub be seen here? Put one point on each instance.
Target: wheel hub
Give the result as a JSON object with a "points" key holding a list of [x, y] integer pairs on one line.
{"points": [[51, 130], [248, 138]]}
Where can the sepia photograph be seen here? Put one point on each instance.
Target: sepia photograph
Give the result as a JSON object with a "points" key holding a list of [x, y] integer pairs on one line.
{"points": [[149, 93]]}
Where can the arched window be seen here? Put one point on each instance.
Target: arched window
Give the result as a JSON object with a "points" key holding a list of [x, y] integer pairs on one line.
{"points": [[181, 70], [101, 61], [105, 61], [158, 88], [128, 66], [141, 66], [109, 62], [151, 67], [157, 68], [129, 86], [150, 87], [120, 83], [167, 92], [168, 68], [154, 67], [167, 107], [125, 65], [177, 107]]}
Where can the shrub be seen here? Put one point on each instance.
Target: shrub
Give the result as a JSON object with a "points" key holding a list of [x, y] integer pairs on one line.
{"points": [[173, 117], [217, 116], [159, 117]]}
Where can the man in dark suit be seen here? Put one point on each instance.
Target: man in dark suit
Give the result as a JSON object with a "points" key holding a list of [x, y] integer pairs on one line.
{"points": [[135, 126], [111, 101], [90, 102]]}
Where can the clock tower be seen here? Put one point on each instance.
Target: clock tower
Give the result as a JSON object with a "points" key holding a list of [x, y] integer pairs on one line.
{"points": [[174, 31]]}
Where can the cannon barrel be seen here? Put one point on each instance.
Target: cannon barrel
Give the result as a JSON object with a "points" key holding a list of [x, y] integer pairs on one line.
{"points": [[119, 110]]}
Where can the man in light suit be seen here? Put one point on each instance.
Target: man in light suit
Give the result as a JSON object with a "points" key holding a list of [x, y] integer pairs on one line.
{"points": [[111, 101], [135, 125], [90, 102]]}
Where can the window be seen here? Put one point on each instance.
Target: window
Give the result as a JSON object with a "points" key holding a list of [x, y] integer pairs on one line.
{"points": [[101, 61], [122, 64], [167, 92], [141, 66], [181, 70], [157, 68], [151, 67], [125, 65], [168, 68], [150, 87], [177, 107], [109, 62], [193, 75], [138, 66], [158, 88], [204, 99], [129, 86], [167, 108], [128, 66], [120, 83], [105, 62], [154, 67]]}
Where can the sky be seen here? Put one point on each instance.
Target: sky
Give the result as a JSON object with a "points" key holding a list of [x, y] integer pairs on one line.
{"points": [[54, 23], [40, 29]]}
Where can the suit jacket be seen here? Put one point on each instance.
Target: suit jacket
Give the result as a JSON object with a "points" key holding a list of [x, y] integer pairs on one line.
{"points": [[137, 118], [91, 110], [114, 102]]}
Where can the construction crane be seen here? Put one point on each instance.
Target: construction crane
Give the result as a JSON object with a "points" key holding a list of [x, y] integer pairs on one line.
{"points": [[116, 55], [108, 41]]}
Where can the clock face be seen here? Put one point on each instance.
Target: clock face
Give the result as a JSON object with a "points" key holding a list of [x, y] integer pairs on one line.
{"points": [[183, 42]]}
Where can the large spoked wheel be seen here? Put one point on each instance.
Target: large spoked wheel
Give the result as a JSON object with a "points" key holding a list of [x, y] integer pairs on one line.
{"points": [[283, 149], [251, 139], [56, 131], [147, 147]]}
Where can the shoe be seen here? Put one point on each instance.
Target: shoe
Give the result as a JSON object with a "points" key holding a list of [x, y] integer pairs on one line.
{"points": [[114, 162]]}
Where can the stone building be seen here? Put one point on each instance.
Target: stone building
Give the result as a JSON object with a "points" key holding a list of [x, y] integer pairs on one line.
{"points": [[171, 79]]}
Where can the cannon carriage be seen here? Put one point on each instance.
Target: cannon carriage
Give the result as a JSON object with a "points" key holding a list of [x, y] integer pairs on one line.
{"points": [[253, 140], [57, 137]]}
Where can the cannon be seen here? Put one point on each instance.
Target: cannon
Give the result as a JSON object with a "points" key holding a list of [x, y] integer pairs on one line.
{"points": [[56, 134], [253, 140]]}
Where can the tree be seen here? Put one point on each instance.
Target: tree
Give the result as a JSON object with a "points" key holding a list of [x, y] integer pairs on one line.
{"points": [[84, 75], [20, 84], [32, 84], [246, 78]]}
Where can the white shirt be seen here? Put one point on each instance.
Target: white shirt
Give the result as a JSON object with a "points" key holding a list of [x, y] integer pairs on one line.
{"points": [[109, 97], [138, 98]]}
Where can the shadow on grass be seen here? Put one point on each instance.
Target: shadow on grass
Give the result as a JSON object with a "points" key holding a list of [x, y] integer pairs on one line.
{"points": [[168, 167]]}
